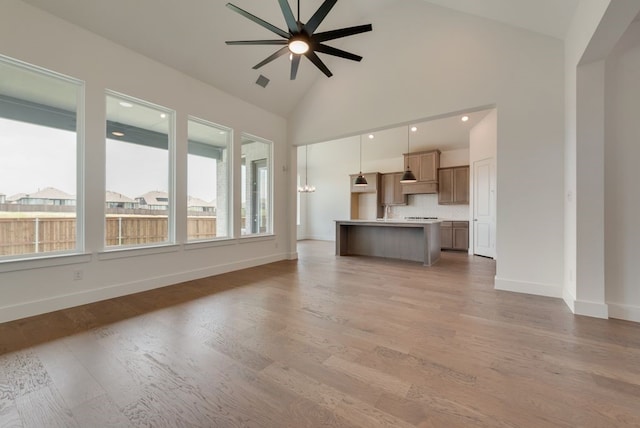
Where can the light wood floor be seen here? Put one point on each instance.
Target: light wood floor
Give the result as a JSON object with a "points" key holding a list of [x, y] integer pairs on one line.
{"points": [[323, 341]]}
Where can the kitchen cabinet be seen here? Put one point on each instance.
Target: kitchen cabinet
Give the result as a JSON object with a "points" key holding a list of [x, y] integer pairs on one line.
{"points": [[453, 185], [392, 189], [454, 235], [424, 166], [373, 183]]}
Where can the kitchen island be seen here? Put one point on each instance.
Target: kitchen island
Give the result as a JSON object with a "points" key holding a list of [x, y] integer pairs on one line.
{"points": [[396, 239]]}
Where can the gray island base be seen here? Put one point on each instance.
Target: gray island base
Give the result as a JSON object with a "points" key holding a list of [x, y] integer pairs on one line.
{"points": [[417, 241]]}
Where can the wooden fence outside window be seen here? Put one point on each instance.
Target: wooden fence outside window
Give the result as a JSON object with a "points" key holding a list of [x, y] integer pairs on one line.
{"points": [[48, 234]]}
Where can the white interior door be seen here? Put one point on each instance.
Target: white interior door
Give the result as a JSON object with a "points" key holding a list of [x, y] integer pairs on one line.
{"points": [[484, 206]]}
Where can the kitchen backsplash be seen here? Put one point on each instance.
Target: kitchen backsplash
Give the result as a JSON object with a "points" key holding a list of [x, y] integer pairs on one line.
{"points": [[427, 206]]}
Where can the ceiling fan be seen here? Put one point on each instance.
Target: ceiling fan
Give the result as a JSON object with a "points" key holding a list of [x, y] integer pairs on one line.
{"points": [[301, 39]]}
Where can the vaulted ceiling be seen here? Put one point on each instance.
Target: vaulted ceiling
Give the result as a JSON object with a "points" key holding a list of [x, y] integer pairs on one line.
{"points": [[189, 35]]}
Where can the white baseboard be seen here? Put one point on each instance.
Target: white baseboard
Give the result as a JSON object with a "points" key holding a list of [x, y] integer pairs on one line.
{"points": [[537, 289], [569, 299], [321, 238], [591, 309], [624, 312], [37, 307]]}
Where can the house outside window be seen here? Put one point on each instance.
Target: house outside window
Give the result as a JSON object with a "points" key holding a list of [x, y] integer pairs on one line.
{"points": [[39, 146], [257, 190], [209, 181], [139, 156]]}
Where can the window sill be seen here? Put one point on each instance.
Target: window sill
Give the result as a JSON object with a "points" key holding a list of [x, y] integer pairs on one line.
{"points": [[256, 238], [121, 253], [212, 243], [44, 261]]}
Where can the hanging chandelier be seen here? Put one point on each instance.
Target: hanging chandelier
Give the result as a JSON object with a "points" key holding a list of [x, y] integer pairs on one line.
{"points": [[306, 188]]}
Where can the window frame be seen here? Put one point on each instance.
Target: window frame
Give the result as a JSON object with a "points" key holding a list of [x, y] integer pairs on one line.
{"points": [[271, 187], [229, 176], [171, 181], [77, 254]]}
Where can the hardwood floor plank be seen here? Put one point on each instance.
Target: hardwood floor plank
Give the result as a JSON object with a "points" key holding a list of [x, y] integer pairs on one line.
{"points": [[355, 411], [24, 373], [44, 407], [375, 378], [9, 416], [100, 412], [74, 383]]}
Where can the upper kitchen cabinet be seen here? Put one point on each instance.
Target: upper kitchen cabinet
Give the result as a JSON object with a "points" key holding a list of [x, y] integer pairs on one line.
{"points": [[424, 166], [392, 189], [453, 185]]}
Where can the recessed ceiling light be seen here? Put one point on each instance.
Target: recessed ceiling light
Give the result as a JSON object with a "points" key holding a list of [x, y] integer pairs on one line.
{"points": [[163, 115], [117, 134], [465, 118], [371, 136], [414, 128], [126, 104]]}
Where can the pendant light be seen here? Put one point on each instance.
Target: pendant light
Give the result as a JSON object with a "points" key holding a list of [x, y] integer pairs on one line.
{"points": [[408, 176], [360, 180], [306, 188]]}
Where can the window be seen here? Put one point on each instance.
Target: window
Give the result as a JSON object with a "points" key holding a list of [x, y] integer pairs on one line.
{"points": [[256, 194], [208, 181], [139, 207], [39, 146]]}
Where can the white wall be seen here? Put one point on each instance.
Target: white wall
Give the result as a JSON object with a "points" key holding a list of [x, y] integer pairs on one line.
{"points": [[622, 175], [36, 37], [331, 163], [595, 31], [583, 25], [452, 62]]}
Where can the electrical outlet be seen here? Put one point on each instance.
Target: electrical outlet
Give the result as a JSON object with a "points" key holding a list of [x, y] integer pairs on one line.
{"points": [[77, 275]]}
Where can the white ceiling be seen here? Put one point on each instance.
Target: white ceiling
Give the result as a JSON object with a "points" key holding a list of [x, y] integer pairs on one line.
{"points": [[189, 35], [445, 133], [549, 17]]}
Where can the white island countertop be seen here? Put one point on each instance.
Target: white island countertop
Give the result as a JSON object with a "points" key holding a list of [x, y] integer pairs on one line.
{"points": [[380, 221]]}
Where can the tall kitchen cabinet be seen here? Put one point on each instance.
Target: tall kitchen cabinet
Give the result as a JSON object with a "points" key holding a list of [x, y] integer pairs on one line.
{"points": [[392, 189], [424, 166], [453, 184]]}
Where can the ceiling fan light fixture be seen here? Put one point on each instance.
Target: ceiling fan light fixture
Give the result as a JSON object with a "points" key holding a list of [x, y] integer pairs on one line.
{"points": [[300, 38], [298, 45]]}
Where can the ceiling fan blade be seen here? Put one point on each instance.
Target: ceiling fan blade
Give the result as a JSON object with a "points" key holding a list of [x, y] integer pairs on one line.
{"points": [[288, 16], [342, 32], [259, 21], [318, 63], [257, 42], [295, 62], [330, 50], [318, 17], [270, 58]]}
